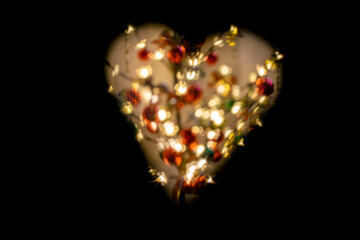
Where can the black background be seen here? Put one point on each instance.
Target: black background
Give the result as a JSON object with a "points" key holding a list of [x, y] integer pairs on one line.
{"points": [[277, 177]]}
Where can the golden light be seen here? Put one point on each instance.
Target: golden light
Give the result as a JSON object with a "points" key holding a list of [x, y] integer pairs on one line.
{"points": [[135, 85], [261, 70], [234, 30], [201, 163], [278, 55], [225, 70], [236, 108], [224, 150], [144, 72], [270, 65], [199, 150], [210, 180], [218, 42], [116, 70], [195, 129], [192, 75], [214, 100], [178, 147], [211, 144], [262, 99], [258, 122], [211, 134], [240, 125], [199, 112], [179, 75], [214, 114], [235, 91], [141, 44], [158, 54], [194, 62], [154, 126], [218, 121], [139, 136], [206, 114], [161, 178], [180, 88], [169, 128], [127, 108], [227, 132], [252, 77], [146, 93], [110, 89], [162, 114], [130, 29], [154, 99], [222, 88], [241, 142]]}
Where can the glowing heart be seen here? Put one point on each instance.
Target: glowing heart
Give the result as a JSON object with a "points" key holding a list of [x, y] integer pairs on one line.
{"points": [[191, 105]]}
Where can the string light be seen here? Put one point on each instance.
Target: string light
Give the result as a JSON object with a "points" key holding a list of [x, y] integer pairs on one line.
{"points": [[236, 108], [204, 138], [158, 54], [211, 135], [261, 70], [141, 44], [252, 77], [130, 29], [162, 114], [161, 178], [235, 91], [199, 150], [144, 72], [225, 70], [218, 42], [127, 108], [116, 70], [110, 89], [192, 75], [170, 129], [180, 88]]}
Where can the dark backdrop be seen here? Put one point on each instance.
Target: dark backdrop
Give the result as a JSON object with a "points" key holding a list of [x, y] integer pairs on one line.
{"points": [[273, 177]]}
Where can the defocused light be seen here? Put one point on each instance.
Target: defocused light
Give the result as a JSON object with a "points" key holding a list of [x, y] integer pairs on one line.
{"points": [[199, 112], [116, 70], [130, 29], [162, 114], [194, 62], [252, 77], [235, 91], [180, 88], [158, 54], [201, 163], [236, 108], [211, 135], [199, 150], [169, 128], [234, 30], [154, 99], [192, 75], [225, 70], [127, 108], [144, 72], [218, 42], [261, 70], [141, 44], [110, 89], [240, 125], [218, 121]]}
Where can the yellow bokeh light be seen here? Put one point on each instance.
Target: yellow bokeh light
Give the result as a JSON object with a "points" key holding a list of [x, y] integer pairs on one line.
{"points": [[180, 88], [144, 72]]}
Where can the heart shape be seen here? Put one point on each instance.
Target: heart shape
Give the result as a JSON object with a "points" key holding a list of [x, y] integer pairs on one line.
{"points": [[191, 105]]}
